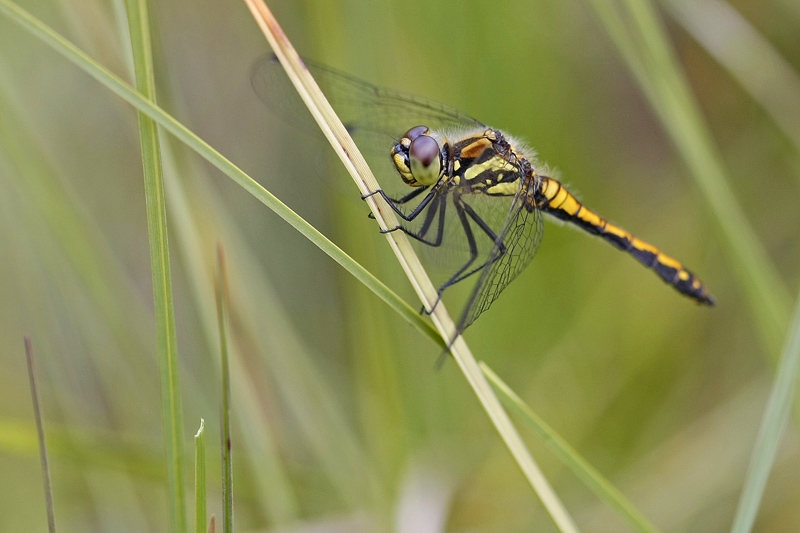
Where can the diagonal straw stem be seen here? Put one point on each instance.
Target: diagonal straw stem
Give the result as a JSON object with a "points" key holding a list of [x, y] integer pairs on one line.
{"points": [[348, 153]]}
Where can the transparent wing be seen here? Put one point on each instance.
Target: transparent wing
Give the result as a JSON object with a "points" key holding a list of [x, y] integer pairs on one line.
{"points": [[361, 106], [521, 236], [376, 117]]}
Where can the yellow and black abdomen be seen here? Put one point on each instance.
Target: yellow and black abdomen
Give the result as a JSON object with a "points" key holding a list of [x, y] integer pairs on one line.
{"points": [[552, 198]]}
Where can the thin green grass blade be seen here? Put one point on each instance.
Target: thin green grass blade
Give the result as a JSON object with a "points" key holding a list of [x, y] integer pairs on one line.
{"points": [[172, 415], [200, 479], [658, 73], [642, 42], [169, 123], [37, 414], [747, 55], [227, 458], [568, 455], [773, 425], [191, 208]]}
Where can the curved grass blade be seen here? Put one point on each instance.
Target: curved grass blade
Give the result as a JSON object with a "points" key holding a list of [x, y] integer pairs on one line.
{"points": [[780, 97], [747, 55], [169, 123], [643, 44], [657, 72], [773, 425]]}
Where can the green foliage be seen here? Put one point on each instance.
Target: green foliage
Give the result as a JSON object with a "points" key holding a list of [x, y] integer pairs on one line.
{"points": [[336, 411]]}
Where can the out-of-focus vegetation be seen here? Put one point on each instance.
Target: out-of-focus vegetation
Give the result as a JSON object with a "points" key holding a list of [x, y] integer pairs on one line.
{"points": [[339, 419]]}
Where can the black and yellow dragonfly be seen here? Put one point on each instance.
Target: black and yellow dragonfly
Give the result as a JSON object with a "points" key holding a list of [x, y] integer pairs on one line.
{"points": [[477, 195]]}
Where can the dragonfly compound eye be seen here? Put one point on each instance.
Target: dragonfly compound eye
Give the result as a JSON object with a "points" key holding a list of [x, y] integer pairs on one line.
{"points": [[426, 159], [415, 132]]}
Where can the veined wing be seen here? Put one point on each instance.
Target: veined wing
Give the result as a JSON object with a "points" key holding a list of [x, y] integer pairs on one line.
{"points": [[376, 117], [361, 106], [520, 236]]}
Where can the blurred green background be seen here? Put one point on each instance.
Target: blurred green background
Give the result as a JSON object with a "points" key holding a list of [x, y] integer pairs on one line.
{"points": [[341, 422]]}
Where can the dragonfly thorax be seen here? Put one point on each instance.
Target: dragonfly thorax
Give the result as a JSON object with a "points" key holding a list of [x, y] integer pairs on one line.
{"points": [[485, 162]]}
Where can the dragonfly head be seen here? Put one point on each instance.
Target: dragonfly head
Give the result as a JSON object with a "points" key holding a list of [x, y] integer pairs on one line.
{"points": [[418, 157]]}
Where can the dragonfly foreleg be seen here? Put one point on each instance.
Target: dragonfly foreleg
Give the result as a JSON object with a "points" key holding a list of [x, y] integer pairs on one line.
{"points": [[440, 205], [410, 196], [394, 203]]}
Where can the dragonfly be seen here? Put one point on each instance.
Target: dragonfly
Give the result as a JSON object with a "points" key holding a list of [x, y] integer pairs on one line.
{"points": [[471, 195]]}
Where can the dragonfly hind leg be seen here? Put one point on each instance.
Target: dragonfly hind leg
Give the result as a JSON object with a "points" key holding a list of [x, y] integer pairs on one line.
{"points": [[464, 211]]}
